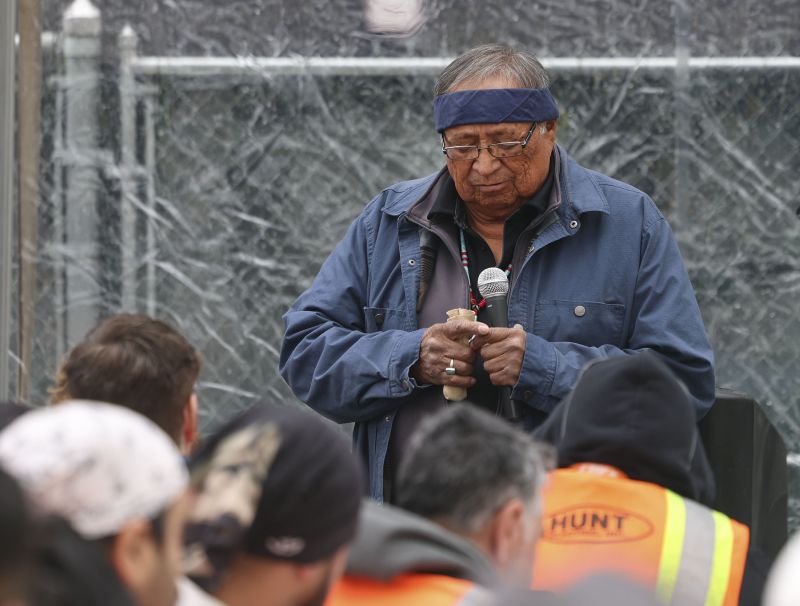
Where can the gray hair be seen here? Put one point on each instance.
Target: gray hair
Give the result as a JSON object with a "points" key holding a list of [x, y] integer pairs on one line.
{"points": [[463, 464], [483, 62]]}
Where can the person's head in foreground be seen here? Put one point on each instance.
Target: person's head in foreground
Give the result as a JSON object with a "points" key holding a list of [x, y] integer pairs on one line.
{"points": [[141, 363], [116, 478], [480, 478], [278, 492]]}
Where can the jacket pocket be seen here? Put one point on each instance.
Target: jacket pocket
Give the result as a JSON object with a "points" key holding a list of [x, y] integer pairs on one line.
{"points": [[584, 322], [377, 319]]}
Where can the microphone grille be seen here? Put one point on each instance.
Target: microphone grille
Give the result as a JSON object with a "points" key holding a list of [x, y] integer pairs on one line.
{"points": [[492, 282]]}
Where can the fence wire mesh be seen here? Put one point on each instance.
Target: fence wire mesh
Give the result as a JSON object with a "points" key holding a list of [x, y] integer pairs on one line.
{"points": [[257, 178]]}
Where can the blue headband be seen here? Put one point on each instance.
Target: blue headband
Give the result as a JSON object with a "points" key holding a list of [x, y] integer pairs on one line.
{"points": [[494, 105]]}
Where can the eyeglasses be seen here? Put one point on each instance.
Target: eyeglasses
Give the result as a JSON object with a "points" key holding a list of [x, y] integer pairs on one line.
{"points": [[504, 149]]}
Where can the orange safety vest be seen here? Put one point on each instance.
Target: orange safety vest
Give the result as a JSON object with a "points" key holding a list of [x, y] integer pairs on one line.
{"points": [[597, 520], [404, 590]]}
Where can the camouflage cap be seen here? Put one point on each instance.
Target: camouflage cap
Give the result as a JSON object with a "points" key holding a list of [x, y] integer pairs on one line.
{"points": [[277, 483]]}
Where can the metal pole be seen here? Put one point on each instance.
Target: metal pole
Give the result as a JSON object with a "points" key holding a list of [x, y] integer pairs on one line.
{"points": [[54, 251], [8, 26], [682, 113], [128, 212], [425, 66], [82, 27], [151, 254], [29, 135]]}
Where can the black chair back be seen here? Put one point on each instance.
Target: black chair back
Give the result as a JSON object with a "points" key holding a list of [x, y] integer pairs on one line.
{"points": [[748, 457]]}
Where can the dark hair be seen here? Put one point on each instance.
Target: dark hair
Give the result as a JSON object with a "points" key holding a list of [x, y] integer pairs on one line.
{"points": [[134, 361], [69, 570], [463, 464], [15, 539]]}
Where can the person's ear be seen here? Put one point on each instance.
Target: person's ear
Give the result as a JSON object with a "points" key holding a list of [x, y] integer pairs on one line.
{"points": [[506, 533], [190, 428], [133, 555], [549, 128]]}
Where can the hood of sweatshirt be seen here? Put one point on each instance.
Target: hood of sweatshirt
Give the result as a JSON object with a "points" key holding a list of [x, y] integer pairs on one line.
{"points": [[390, 541], [632, 413]]}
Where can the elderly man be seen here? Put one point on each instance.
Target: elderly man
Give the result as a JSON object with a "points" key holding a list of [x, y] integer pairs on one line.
{"points": [[594, 272]]}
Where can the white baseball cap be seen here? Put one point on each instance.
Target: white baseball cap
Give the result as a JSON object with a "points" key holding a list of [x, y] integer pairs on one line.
{"points": [[98, 465]]}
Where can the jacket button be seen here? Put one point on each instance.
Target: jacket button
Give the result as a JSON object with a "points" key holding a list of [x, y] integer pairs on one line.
{"points": [[412, 262], [580, 311], [527, 394], [387, 418], [379, 319], [531, 247], [573, 224]]}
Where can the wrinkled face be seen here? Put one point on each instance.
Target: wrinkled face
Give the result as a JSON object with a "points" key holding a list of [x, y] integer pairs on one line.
{"points": [[498, 187]]}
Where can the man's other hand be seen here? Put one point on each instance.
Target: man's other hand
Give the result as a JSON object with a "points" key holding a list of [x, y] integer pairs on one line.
{"points": [[502, 350]]}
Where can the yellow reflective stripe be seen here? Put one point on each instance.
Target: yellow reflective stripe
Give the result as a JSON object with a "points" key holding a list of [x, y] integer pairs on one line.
{"points": [[672, 547], [721, 568]]}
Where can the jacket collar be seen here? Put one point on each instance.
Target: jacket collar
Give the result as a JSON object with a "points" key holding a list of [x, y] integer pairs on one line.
{"points": [[579, 189], [418, 198]]}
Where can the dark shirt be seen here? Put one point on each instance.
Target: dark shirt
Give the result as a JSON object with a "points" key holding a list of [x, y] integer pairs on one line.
{"points": [[450, 206]]}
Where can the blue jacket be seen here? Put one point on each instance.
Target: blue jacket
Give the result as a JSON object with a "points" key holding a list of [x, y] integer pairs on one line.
{"points": [[352, 337]]}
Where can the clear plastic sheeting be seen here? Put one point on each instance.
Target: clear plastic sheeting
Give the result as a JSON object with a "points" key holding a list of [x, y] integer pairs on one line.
{"points": [[211, 200]]}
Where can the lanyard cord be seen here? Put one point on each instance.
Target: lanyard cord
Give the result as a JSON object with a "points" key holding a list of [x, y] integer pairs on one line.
{"points": [[473, 302]]}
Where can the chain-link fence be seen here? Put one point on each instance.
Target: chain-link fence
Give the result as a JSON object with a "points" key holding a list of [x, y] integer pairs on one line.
{"points": [[245, 183]]}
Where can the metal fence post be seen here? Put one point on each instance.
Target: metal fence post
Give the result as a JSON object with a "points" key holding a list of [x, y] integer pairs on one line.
{"points": [[683, 116], [82, 26], [8, 28], [127, 43], [151, 251]]}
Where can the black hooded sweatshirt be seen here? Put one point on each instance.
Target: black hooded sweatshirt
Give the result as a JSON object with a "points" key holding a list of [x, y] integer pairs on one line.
{"points": [[632, 413]]}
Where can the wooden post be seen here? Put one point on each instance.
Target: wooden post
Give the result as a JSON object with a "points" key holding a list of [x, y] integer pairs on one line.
{"points": [[29, 82]]}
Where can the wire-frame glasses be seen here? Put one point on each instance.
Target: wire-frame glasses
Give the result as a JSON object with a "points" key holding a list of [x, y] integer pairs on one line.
{"points": [[504, 149]]}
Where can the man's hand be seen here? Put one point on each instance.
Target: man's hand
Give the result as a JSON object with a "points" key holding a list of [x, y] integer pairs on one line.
{"points": [[502, 350], [440, 344]]}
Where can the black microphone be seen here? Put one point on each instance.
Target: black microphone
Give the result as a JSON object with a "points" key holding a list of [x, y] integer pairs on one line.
{"points": [[493, 286]]}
